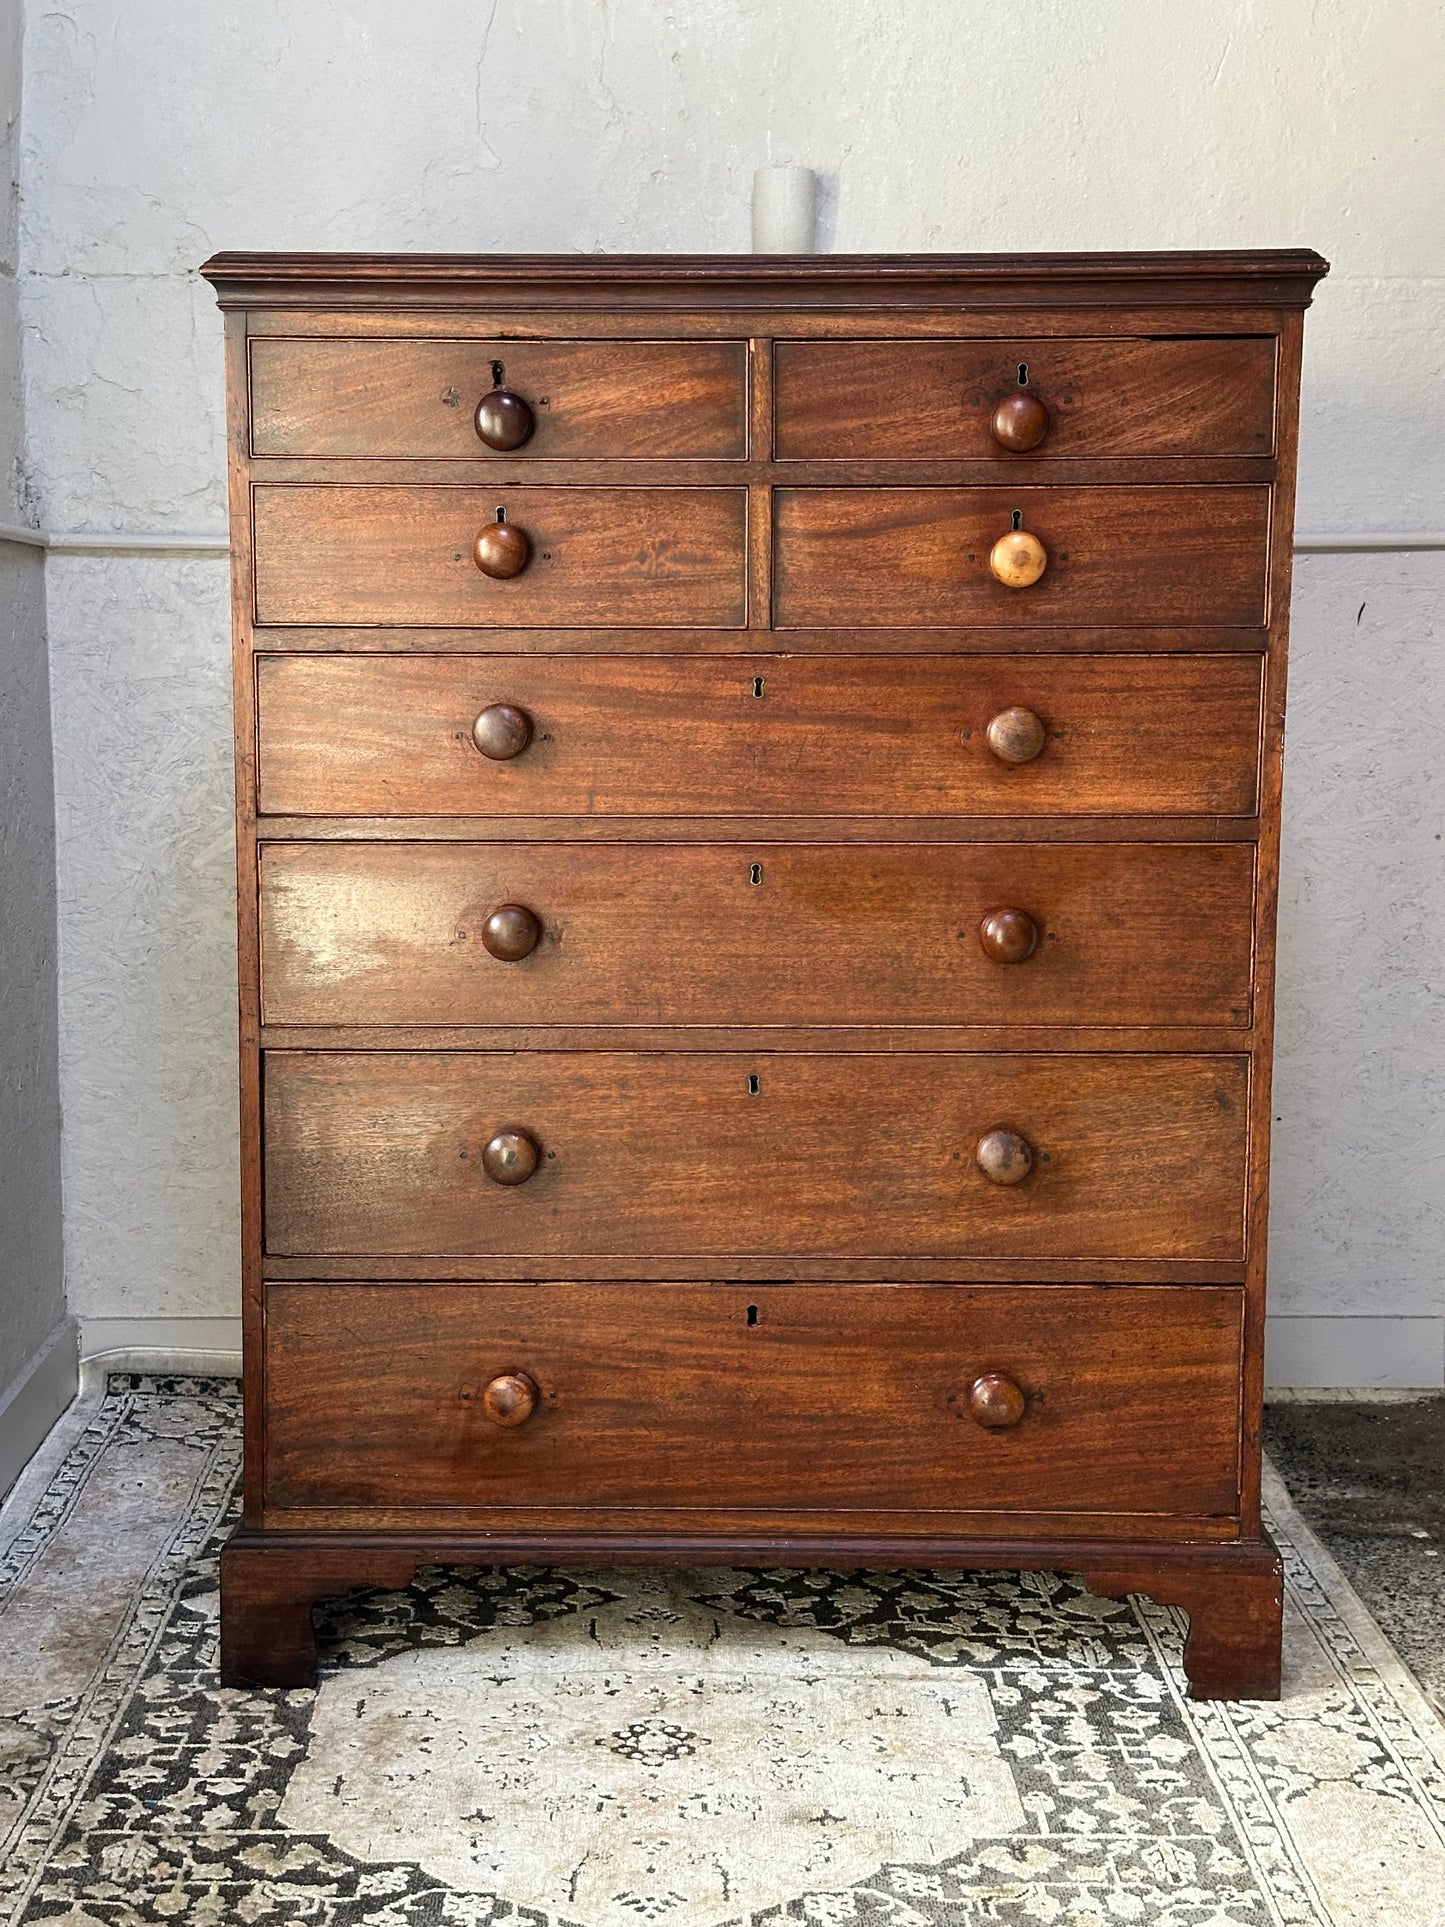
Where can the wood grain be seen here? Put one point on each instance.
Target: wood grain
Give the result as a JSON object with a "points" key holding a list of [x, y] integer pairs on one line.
{"points": [[616, 556], [391, 735], [884, 556], [927, 400], [1136, 1157], [698, 1395], [397, 933], [593, 400]]}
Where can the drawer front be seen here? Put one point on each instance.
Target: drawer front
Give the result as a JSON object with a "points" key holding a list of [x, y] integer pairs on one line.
{"points": [[888, 558], [600, 557], [775, 1396], [403, 933], [1133, 1157], [755, 735], [590, 400], [937, 400]]}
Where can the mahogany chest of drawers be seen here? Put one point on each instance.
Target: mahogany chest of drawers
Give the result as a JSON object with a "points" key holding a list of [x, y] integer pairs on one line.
{"points": [[758, 820]]}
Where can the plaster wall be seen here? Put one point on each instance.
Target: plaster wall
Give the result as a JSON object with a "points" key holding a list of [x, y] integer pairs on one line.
{"points": [[155, 134], [37, 1371]]}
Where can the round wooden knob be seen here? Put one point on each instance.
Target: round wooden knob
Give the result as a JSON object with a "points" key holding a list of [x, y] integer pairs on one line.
{"points": [[501, 550], [511, 933], [511, 1157], [995, 1401], [502, 732], [1008, 936], [1018, 559], [1016, 736], [512, 1398], [1004, 1157], [1020, 422], [504, 421]]}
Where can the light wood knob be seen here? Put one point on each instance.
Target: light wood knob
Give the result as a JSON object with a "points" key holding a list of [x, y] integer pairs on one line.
{"points": [[501, 550], [504, 420], [995, 1402], [1016, 736], [1018, 559], [502, 732], [1020, 422], [512, 1398], [1004, 1157], [1008, 936], [511, 1157], [511, 933]]}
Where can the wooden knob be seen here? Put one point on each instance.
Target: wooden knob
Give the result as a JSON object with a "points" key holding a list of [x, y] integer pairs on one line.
{"points": [[1020, 422], [995, 1401], [1004, 1157], [504, 421], [1018, 559], [502, 732], [511, 933], [501, 550], [1016, 736], [1008, 936], [512, 1398], [511, 1157]]}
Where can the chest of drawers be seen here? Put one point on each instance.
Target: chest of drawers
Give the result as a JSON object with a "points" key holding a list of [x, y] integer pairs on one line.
{"points": [[758, 820]]}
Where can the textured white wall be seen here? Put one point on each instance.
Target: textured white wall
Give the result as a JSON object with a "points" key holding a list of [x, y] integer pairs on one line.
{"points": [[155, 134]]}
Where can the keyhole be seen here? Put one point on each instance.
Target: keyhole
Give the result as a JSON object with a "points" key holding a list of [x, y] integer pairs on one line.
{"points": [[755, 1084], [752, 1314], [1018, 518], [755, 874], [1023, 374], [499, 374], [757, 685], [502, 516]]}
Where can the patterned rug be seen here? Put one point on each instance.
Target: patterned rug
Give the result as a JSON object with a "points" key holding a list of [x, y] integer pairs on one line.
{"points": [[609, 1749]]}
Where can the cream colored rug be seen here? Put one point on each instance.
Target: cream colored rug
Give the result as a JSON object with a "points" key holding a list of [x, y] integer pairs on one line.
{"points": [[621, 1749]]}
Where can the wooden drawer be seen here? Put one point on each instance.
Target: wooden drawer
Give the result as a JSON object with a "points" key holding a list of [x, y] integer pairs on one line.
{"points": [[1138, 1157], [601, 557], [590, 400], [755, 735], [935, 400], [918, 557], [398, 933], [811, 1396]]}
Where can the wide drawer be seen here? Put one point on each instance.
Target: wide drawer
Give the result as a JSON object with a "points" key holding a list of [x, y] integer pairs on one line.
{"points": [[600, 557], [590, 400], [755, 735], [659, 1396], [937, 400], [1133, 1157], [402, 933], [917, 557]]}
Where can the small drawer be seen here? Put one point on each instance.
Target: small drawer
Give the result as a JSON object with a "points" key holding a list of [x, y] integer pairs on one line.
{"points": [[602, 933], [598, 736], [566, 400], [335, 554], [944, 1398], [1051, 398], [766, 1154], [902, 558]]}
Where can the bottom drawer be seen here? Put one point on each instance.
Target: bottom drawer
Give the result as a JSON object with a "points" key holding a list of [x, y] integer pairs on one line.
{"points": [[767, 1397]]}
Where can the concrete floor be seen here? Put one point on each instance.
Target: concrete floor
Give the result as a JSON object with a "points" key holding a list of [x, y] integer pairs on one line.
{"points": [[1369, 1476]]}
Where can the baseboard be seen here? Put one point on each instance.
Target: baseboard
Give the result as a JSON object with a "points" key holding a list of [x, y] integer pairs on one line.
{"points": [[32, 1403], [179, 1339], [1408, 1353], [1364, 1353]]}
